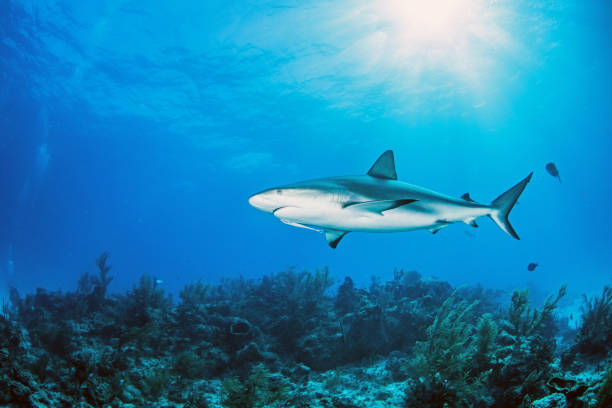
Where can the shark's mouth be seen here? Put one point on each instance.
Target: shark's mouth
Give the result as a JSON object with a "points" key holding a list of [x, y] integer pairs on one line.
{"points": [[276, 209]]}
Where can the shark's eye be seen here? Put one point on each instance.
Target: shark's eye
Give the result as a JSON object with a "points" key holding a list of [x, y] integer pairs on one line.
{"points": [[279, 191]]}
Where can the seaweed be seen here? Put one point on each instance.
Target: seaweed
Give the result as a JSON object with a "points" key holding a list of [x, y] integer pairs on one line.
{"points": [[433, 392], [346, 299], [595, 332], [193, 295], [604, 395], [524, 361], [156, 382], [94, 287], [147, 302], [192, 308], [257, 391], [56, 338], [486, 333], [445, 357], [188, 364], [526, 321], [196, 400]]}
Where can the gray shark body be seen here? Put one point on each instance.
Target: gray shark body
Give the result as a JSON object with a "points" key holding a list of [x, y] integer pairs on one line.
{"points": [[377, 202]]}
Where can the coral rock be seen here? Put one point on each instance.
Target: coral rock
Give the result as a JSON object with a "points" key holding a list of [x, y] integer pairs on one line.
{"points": [[556, 400]]}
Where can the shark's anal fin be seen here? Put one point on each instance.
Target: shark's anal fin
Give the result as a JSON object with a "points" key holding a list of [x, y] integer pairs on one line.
{"points": [[333, 237], [471, 222], [384, 167], [467, 197], [295, 224], [379, 206]]}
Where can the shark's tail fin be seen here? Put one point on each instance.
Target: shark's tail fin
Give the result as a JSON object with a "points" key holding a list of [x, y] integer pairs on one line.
{"points": [[502, 205]]}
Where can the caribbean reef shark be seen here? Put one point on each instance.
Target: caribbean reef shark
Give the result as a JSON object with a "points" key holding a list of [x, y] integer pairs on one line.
{"points": [[378, 202]]}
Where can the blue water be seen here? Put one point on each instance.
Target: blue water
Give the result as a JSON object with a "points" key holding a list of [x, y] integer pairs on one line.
{"points": [[143, 127]]}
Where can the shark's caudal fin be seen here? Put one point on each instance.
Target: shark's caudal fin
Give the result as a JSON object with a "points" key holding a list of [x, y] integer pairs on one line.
{"points": [[502, 205]]}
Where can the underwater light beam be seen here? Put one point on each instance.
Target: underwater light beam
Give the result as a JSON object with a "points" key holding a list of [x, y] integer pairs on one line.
{"points": [[416, 48]]}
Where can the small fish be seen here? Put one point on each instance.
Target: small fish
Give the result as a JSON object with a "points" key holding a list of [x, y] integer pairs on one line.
{"points": [[551, 168], [158, 281], [571, 316], [531, 267]]}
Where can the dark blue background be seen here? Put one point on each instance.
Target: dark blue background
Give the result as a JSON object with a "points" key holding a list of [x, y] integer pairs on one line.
{"points": [[93, 156]]}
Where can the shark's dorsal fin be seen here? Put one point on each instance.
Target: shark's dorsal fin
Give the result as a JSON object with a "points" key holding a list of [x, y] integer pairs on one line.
{"points": [[467, 197], [334, 236], [384, 167], [378, 206]]}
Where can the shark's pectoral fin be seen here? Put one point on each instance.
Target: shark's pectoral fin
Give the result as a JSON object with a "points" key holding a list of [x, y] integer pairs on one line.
{"points": [[384, 167], [296, 224], [379, 206], [333, 237]]}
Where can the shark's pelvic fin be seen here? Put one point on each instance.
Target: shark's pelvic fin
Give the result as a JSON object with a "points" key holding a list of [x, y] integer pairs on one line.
{"points": [[502, 205], [333, 237], [467, 197], [384, 167], [439, 225], [379, 206], [434, 230]]}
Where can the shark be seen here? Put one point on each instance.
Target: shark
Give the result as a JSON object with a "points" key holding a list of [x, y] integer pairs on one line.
{"points": [[378, 202]]}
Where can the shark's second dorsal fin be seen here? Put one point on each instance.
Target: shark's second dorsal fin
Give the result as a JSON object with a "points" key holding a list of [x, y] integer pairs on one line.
{"points": [[467, 197], [384, 167]]}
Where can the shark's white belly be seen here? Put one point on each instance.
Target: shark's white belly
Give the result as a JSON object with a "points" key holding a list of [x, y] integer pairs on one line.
{"points": [[405, 218]]}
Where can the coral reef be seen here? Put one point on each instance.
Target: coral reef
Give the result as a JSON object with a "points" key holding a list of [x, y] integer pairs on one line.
{"points": [[289, 340]]}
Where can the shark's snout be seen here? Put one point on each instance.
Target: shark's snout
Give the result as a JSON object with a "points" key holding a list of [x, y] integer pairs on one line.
{"points": [[263, 201]]}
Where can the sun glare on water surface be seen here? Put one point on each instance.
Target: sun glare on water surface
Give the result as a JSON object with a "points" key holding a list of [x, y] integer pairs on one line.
{"points": [[448, 35]]}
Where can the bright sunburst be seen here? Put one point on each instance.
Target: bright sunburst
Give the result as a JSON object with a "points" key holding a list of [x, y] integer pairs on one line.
{"points": [[457, 36]]}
